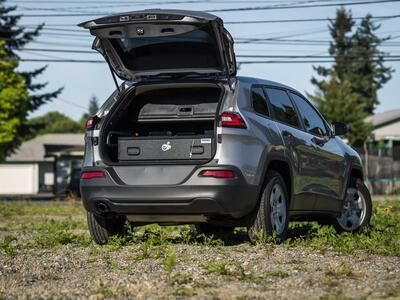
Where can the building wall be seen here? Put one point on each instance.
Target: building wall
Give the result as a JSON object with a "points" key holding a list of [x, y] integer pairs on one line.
{"points": [[19, 179]]}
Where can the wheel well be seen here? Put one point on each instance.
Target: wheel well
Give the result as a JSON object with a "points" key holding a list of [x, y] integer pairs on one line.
{"points": [[282, 168], [355, 174]]}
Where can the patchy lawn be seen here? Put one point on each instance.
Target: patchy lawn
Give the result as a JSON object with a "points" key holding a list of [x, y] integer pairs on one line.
{"points": [[45, 251]]}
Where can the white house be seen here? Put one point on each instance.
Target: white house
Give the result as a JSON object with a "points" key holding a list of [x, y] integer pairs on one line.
{"points": [[42, 165]]}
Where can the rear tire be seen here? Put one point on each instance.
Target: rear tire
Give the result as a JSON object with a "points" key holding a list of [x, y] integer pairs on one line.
{"points": [[271, 218], [101, 228], [356, 212]]}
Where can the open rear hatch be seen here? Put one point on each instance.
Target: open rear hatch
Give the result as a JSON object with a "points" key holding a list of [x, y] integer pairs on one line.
{"points": [[147, 43], [165, 123], [170, 122]]}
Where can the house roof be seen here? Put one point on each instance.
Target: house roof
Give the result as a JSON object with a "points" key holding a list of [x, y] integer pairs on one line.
{"points": [[388, 132], [35, 150], [384, 118]]}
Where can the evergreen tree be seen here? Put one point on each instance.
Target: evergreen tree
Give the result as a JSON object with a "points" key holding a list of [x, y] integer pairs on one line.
{"points": [[358, 70], [15, 38], [340, 48], [338, 103], [369, 73], [93, 108], [14, 103], [93, 105]]}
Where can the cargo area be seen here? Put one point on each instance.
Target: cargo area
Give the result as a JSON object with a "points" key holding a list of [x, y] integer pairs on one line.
{"points": [[163, 123]]}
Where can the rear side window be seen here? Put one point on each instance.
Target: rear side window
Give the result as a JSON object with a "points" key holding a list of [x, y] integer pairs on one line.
{"points": [[313, 123], [259, 101], [282, 107]]}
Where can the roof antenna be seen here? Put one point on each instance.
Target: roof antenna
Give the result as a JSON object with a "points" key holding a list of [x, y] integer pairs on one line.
{"points": [[109, 65]]}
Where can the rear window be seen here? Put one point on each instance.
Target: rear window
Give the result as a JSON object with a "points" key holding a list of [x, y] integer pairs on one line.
{"points": [[282, 107], [193, 49], [259, 101]]}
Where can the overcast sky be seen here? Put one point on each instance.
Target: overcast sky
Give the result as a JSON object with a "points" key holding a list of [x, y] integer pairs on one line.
{"points": [[82, 80]]}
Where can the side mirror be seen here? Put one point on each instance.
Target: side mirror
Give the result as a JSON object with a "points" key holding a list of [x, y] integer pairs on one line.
{"points": [[339, 128]]}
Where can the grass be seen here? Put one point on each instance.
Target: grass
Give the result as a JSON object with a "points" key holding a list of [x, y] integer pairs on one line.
{"points": [[7, 247], [17, 209], [382, 237], [55, 224], [230, 269], [169, 261], [341, 271]]}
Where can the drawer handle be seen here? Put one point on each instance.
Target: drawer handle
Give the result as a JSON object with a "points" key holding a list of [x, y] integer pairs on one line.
{"points": [[133, 151]]}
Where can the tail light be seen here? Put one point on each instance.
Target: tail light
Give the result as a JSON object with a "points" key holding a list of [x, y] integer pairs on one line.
{"points": [[220, 174], [231, 119], [92, 174], [91, 122]]}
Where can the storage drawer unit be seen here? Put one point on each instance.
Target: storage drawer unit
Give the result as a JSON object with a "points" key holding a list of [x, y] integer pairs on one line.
{"points": [[137, 149]]}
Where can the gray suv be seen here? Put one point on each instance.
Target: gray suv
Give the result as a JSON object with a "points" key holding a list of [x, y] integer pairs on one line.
{"points": [[185, 141]]}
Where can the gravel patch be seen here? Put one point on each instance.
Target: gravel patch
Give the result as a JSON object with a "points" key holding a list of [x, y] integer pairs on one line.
{"points": [[227, 272]]}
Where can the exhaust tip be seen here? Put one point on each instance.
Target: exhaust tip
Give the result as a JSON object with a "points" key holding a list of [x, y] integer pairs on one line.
{"points": [[102, 207]]}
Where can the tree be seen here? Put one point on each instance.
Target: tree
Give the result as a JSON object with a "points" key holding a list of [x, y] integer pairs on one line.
{"points": [[339, 48], [16, 37], [55, 122], [338, 103], [14, 103], [369, 73], [93, 108], [358, 70]]}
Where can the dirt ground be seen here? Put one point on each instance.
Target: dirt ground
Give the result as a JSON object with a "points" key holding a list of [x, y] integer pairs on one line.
{"points": [[47, 254]]}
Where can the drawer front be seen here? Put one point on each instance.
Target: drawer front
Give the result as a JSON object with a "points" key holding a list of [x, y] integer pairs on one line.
{"points": [[131, 149]]}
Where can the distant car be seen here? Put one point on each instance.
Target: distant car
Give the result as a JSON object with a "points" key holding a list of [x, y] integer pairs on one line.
{"points": [[185, 140], [72, 189]]}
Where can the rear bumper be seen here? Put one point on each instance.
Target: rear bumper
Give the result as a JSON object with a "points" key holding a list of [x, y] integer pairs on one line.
{"points": [[195, 195]]}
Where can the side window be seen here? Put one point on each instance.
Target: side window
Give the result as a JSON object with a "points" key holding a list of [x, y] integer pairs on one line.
{"points": [[313, 123], [259, 101], [282, 107]]}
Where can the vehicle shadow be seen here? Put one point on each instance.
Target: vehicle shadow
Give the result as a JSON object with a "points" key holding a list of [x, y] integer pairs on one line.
{"points": [[239, 236]]}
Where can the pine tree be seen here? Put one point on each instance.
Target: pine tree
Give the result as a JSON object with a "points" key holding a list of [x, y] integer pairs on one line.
{"points": [[358, 70], [340, 48], [338, 103], [93, 105], [92, 110], [15, 38], [14, 103], [369, 73]]}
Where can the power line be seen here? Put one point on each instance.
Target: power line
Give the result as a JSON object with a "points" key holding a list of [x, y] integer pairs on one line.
{"points": [[62, 60], [274, 7], [386, 17], [304, 20], [72, 103], [300, 6], [239, 62], [238, 55]]}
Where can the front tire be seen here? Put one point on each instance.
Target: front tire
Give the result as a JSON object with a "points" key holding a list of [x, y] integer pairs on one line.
{"points": [[357, 209], [271, 218], [101, 228]]}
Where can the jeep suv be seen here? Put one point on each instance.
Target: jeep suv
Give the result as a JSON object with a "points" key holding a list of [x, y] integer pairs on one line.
{"points": [[185, 141]]}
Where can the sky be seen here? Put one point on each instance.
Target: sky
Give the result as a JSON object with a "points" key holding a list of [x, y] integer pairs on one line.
{"points": [[83, 80]]}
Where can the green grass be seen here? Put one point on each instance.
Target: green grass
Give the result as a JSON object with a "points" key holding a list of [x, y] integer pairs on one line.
{"points": [[24, 208], [55, 224], [7, 247], [169, 260], [382, 237]]}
